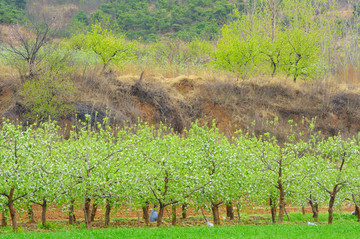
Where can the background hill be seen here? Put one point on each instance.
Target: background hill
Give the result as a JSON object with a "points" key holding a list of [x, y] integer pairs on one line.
{"points": [[148, 20], [188, 75]]}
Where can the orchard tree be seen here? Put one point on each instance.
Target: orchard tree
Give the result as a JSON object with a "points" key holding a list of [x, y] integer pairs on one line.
{"points": [[47, 148], [166, 169], [339, 157], [138, 167], [110, 172], [255, 189], [218, 165], [280, 166], [354, 186], [309, 191], [87, 149], [17, 166]]}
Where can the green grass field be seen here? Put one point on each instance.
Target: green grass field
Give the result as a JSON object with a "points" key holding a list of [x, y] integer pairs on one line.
{"points": [[345, 226], [245, 231]]}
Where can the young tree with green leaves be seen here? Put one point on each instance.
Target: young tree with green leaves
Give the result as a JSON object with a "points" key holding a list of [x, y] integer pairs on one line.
{"points": [[273, 51], [219, 168], [339, 157], [17, 165], [238, 47], [47, 185], [109, 47], [166, 169], [301, 53]]}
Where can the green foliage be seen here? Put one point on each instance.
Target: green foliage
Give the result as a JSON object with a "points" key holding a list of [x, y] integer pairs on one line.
{"points": [[181, 19], [272, 51], [79, 22], [301, 53], [142, 165], [238, 48], [111, 48], [170, 52], [81, 17], [356, 8], [49, 226], [50, 91], [256, 43], [48, 96], [11, 11], [236, 54]]}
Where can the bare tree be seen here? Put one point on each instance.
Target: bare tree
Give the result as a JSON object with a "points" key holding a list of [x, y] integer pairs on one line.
{"points": [[25, 46], [274, 7]]}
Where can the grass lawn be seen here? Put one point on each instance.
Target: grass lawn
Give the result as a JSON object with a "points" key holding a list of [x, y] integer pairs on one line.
{"points": [[345, 226], [245, 231]]}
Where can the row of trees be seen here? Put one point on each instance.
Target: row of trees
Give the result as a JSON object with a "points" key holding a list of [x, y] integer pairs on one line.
{"points": [[299, 38], [245, 48], [142, 165]]}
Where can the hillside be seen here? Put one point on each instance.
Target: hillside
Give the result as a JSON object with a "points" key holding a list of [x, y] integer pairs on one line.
{"points": [[147, 20], [243, 82], [247, 105]]}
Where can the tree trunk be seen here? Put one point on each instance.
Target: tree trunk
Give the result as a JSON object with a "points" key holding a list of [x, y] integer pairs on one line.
{"points": [[173, 221], [315, 210], [274, 70], [184, 209], [357, 209], [93, 212], [282, 204], [303, 210], [215, 211], [107, 213], [87, 212], [87, 208], [30, 212], [43, 213], [160, 214], [238, 210], [281, 211], [72, 218], [357, 212], [12, 213], [331, 208], [273, 210], [230, 211], [146, 215], [4, 219]]}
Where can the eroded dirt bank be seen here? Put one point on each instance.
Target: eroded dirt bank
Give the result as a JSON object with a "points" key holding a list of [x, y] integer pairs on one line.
{"points": [[185, 99]]}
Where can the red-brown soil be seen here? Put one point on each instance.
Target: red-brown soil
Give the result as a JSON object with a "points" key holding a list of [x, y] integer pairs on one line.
{"points": [[130, 216]]}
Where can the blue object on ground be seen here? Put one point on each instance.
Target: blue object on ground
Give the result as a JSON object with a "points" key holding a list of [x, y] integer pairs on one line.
{"points": [[209, 224], [153, 215]]}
